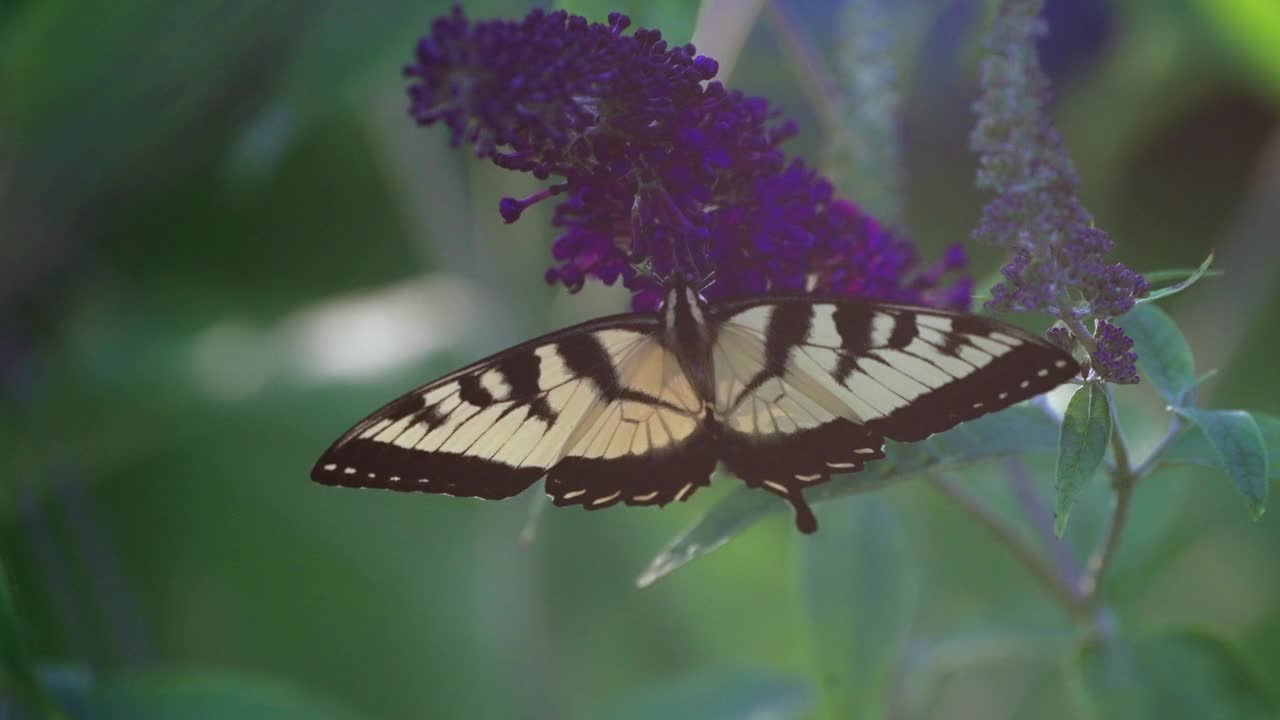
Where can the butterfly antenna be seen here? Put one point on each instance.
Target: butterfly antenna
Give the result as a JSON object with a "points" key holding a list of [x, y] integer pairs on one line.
{"points": [[694, 264], [705, 284]]}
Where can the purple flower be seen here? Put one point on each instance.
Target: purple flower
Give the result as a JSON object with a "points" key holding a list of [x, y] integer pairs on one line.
{"points": [[663, 170], [1113, 359], [1059, 259], [1061, 337]]}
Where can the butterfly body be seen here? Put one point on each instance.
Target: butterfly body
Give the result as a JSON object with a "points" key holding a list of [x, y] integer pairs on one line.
{"points": [[639, 408], [686, 336]]}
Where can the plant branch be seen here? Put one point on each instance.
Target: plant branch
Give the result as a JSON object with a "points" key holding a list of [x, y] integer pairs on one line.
{"points": [[1149, 464], [1123, 481], [1067, 595], [1081, 333]]}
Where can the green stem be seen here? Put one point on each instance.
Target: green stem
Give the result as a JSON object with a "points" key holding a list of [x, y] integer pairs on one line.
{"points": [[1082, 334], [1149, 464], [1123, 481]]}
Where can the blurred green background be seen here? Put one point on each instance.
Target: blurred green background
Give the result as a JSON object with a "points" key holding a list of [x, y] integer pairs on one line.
{"points": [[222, 241]]}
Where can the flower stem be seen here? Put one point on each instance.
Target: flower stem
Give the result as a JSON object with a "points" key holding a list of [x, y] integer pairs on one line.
{"points": [[1123, 481], [1066, 594], [1077, 328]]}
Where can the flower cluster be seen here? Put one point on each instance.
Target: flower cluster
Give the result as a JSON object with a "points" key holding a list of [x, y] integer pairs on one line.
{"points": [[1059, 259], [663, 170], [1112, 359]]}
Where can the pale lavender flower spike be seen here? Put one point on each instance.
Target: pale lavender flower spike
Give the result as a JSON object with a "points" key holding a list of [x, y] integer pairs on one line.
{"points": [[1059, 259]]}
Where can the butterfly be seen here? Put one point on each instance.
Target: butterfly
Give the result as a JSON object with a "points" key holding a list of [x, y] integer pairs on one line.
{"points": [[639, 408]]}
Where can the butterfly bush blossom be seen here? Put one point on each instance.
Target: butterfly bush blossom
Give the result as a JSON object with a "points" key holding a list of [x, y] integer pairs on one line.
{"points": [[1059, 259], [660, 169]]}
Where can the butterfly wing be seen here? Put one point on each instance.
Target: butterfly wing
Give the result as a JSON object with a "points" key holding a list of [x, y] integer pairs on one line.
{"points": [[805, 389], [598, 405], [644, 442]]}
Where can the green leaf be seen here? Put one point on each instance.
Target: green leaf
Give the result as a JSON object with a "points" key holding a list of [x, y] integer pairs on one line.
{"points": [[721, 695], [1086, 430], [1171, 676], [1193, 448], [1156, 277], [1164, 358], [1187, 279], [198, 696], [736, 512], [1240, 449], [1017, 430], [859, 588]]}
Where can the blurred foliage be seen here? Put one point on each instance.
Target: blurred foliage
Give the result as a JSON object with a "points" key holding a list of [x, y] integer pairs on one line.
{"points": [[203, 696], [721, 695], [1024, 431], [223, 241], [1173, 674], [1248, 31], [860, 586]]}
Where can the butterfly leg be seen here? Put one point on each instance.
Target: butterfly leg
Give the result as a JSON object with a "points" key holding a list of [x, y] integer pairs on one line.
{"points": [[793, 493]]}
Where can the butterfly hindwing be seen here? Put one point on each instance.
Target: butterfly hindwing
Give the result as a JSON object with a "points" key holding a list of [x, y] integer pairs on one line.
{"points": [[645, 442]]}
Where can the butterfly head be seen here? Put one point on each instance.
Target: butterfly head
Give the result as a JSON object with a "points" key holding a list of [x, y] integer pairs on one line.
{"points": [[684, 289], [685, 298], [683, 312]]}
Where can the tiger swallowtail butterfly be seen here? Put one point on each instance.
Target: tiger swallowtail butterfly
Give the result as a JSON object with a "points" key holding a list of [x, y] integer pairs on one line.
{"points": [[639, 408]]}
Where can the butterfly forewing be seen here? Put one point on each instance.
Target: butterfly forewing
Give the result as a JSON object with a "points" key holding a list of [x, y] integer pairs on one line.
{"points": [[904, 372], [493, 428], [805, 389]]}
